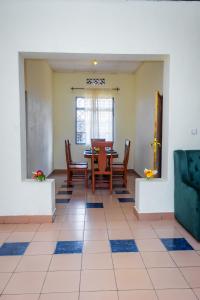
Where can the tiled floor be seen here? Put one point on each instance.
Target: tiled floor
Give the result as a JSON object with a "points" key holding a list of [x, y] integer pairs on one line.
{"points": [[97, 250]]}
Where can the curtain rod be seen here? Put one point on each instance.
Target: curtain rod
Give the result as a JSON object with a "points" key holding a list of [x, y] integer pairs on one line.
{"points": [[79, 88]]}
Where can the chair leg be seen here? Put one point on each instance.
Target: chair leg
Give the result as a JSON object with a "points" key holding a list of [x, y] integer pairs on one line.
{"points": [[93, 183], [68, 177], [125, 179], [111, 183], [86, 179]]}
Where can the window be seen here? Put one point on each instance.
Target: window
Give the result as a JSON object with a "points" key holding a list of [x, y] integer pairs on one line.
{"points": [[94, 119]]}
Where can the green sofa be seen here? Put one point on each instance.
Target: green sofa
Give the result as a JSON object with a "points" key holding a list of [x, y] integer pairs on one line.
{"points": [[187, 190]]}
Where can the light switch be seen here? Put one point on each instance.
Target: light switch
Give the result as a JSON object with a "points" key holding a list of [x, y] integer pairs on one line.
{"points": [[194, 131]]}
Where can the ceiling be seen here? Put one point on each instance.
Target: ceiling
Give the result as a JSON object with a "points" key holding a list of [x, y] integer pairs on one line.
{"points": [[83, 62], [103, 66]]}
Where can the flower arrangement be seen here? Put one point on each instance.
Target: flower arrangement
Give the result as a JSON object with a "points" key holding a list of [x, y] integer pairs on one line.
{"points": [[39, 175], [150, 173]]}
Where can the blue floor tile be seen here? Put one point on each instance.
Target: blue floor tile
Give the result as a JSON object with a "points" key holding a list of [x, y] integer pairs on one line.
{"points": [[122, 192], [176, 244], [59, 201], [94, 205], [123, 246], [13, 248], [124, 200], [64, 193], [69, 247]]}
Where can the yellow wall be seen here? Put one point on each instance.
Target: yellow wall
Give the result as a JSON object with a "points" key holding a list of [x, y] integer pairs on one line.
{"points": [[64, 112], [38, 79], [149, 79]]}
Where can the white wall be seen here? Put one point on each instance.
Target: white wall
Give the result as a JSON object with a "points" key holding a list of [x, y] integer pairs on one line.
{"points": [[38, 77], [149, 79], [128, 27], [64, 112]]}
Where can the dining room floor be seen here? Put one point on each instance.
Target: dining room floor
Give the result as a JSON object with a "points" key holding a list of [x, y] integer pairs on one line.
{"points": [[96, 249]]}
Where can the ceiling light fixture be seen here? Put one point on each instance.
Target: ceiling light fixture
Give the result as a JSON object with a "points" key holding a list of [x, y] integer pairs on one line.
{"points": [[95, 62]]}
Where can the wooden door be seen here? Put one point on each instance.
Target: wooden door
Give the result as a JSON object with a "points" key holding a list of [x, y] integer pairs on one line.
{"points": [[157, 142]]}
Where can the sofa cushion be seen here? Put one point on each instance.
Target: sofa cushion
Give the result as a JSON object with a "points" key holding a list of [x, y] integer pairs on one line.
{"points": [[193, 157]]}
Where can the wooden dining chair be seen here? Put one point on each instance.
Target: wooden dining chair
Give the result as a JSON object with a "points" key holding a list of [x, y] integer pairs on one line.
{"points": [[97, 140], [100, 166], [120, 169], [70, 156], [75, 171]]}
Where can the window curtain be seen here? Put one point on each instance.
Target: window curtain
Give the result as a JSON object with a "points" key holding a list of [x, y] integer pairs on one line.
{"points": [[99, 116]]}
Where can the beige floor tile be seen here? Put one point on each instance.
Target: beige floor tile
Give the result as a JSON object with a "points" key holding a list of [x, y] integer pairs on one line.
{"points": [[168, 233], [7, 227], [20, 297], [157, 259], [96, 247], [97, 261], [98, 296], [34, 263], [192, 275], [120, 234], [91, 225], [20, 237], [197, 292], [147, 233], [150, 245], [4, 277], [62, 282], [65, 262], [70, 235], [9, 263], [186, 258], [97, 280], [167, 278], [49, 236], [184, 294], [27, 227], [75, 211], [137, 295], [26, 282], [132, 279], [194, 243], [75, 218], [127, 260], [117, 225], [4, 236], [95, 235], [68, 225], [59, 296], [40, 248], [49, 227]]}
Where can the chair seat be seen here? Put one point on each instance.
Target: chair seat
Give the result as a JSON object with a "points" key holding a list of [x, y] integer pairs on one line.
{"points": [[79, 163], [117, 163], [118, 168], [78, 167]]}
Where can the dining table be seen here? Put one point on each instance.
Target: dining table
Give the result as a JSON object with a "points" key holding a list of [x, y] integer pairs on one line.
{"points": [[88, 153]]}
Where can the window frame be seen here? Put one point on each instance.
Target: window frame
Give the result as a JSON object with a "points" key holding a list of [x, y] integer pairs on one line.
{"points": [[76, 109]]}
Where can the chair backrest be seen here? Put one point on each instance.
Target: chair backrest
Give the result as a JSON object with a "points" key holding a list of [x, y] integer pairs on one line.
{"points": [[126, 152], [97, 140], [67, 153], [101, 156]]}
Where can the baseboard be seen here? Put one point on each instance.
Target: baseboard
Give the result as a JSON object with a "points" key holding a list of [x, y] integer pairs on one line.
{"points": [[153, 216], [63, 172], [58, 172], [26, 219], [135, 173]]}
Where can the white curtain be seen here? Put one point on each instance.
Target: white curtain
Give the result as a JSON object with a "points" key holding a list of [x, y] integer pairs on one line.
{"points": [[98, 118]]}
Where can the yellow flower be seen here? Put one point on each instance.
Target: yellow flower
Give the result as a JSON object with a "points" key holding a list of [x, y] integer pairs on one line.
{"points": [[149, 173]]}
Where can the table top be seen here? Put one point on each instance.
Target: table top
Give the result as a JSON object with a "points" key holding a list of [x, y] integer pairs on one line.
{"points": [[88, 153]]}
